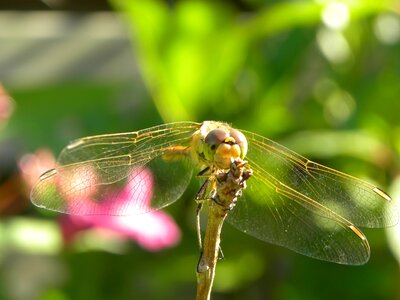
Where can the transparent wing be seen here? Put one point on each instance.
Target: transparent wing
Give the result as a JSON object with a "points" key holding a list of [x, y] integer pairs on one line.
{"points": [[119, 174], [307, 207]]}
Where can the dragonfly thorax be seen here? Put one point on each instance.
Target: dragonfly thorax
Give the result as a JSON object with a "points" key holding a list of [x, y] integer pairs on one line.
{"points": [[215, 144]]}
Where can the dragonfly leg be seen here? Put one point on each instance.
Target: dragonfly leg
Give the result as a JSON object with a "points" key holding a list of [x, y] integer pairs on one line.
{"points": [[198, 229], [202, 172], [200, 198], [221, 254]]}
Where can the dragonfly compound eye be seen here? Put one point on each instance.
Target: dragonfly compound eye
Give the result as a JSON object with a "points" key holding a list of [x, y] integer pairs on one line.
{"points": [[216, 137], [240, 140]]}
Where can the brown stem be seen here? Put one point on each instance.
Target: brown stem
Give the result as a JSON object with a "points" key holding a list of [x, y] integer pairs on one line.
{"points": [[209, 255], [229, 185]]}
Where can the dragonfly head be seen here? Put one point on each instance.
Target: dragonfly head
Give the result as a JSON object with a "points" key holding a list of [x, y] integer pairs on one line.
{"points": [[219, 143]]}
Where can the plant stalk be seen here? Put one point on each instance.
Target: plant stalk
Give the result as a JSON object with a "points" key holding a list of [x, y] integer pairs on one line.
{"points": [[229, 185]]}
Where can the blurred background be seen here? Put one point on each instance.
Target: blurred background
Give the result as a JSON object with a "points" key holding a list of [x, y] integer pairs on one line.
{"points": [[321, 77]]}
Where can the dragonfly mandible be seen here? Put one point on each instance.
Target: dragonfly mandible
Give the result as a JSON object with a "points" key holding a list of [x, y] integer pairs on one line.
{"points": [[290, 200]]}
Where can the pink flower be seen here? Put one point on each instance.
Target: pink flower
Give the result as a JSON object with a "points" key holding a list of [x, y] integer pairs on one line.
{"points": [[151, 230]]}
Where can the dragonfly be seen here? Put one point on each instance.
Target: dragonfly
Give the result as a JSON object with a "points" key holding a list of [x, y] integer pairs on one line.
{"points": [[289, 200]]}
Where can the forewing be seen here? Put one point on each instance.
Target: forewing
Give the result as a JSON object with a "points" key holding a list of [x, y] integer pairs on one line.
{"points": [[119, 174]]}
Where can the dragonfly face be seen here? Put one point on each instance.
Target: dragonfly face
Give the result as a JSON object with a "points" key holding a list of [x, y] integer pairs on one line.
{"points": [[289, 200], [215, 144]]}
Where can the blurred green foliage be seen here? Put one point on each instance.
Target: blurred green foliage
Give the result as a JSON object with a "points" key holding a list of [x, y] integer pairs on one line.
{"points": [[321, 77]]}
